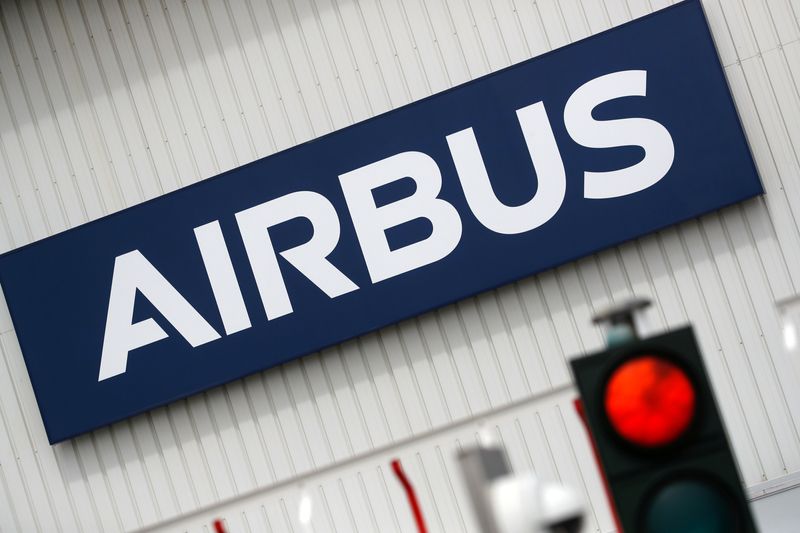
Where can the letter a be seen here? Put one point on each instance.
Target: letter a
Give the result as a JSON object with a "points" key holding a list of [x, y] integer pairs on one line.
{"points": [[133, 272]]}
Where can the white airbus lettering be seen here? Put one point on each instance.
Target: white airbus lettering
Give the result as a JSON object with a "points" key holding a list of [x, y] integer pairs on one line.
{"points": [[133, 272], [309, 258], [371, 222], [649, 134], [552, 180]]}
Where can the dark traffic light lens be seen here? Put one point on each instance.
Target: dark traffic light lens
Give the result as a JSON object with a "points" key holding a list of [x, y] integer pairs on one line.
{"points": [[690, 506], [649, 401]]}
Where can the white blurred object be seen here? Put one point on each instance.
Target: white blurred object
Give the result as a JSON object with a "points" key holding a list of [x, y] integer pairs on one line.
{"points": [[486, 437], [505, 502], [522, 504], [790, 336], [304, 509], [561, 507], [790, 318], [515, 502]]}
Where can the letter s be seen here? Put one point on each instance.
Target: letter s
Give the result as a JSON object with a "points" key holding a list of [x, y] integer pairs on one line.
{"points": [[649, 134]]}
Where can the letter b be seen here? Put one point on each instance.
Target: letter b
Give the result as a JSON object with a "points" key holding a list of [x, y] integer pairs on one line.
{"points": [[371, 222]]}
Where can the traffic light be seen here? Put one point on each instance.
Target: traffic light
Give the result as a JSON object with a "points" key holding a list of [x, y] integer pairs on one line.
{"points": [[660, 439]]}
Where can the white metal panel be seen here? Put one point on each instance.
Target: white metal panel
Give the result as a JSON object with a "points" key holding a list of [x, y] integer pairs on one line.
{"points": [[541, 432], [104, 104]]}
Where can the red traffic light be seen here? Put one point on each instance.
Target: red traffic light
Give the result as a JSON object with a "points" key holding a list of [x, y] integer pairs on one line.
{"points": [[659, 437], [649, 401]]}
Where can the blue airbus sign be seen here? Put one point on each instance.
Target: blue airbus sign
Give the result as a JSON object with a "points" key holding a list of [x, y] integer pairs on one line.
{"points": [[546, 161]]}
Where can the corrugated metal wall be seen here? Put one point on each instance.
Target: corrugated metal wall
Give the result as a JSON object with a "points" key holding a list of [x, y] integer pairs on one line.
{"points": [[363, 494], [105, 104]]}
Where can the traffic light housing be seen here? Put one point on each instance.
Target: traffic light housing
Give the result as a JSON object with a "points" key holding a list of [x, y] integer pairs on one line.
{"points": [[660, 439]]}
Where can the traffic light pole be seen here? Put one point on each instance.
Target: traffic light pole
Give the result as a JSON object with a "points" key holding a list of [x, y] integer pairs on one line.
{"points": [[620, 321], [609, 496]]}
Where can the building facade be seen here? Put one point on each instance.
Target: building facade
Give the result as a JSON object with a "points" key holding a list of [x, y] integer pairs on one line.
{"points": [[104, 105]]}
